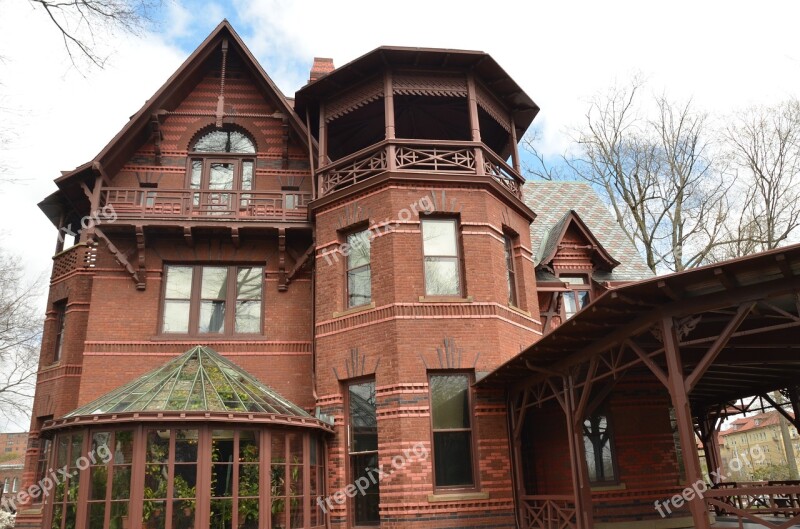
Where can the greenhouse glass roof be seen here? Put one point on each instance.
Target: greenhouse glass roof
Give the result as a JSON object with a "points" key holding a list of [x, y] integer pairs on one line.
{"points": [[199, 380]]}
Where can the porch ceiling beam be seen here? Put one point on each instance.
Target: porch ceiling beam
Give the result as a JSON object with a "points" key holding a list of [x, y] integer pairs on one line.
{"points": [[654, 368], [795, 421], [718, 345]]}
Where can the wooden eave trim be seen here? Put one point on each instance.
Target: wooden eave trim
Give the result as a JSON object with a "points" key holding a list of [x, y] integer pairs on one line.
{"points": [[187, 416], [597, 246]]}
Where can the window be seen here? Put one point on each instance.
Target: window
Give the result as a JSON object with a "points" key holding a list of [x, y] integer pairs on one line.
{"points": [[359, 275], [442, 266], [61, 319], [598, 444], [452, 430], [508, 241], [221, 160], [110, 479], [14, 485], [42, 463], [212, 300], [5, 486], [363, 450], [578, 295]]}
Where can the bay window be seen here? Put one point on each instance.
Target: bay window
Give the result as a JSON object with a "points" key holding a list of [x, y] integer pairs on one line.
{"points": [[211, 300], [451, 416], [442, 257]]}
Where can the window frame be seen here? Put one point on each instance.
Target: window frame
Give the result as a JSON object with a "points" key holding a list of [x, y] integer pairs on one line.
{"points": [[509, 240], [572, 290], [195, 300], [60, 307], [470, 376], [347, 270], [605, 412], [351, 516], [459, 257]]}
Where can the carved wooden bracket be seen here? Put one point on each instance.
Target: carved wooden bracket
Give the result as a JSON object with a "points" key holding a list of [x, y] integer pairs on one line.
{"points": [[119, 256], [140, 254], [301, 261]]}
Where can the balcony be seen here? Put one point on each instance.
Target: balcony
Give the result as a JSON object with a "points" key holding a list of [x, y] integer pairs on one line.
{"points": [[193, 204], [415, 156]]}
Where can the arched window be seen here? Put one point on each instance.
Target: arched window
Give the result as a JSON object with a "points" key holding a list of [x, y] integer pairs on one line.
{"points": [[221, 167]]}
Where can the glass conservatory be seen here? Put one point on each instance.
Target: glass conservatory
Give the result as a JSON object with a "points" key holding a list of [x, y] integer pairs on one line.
{"points": [[196, 443]]}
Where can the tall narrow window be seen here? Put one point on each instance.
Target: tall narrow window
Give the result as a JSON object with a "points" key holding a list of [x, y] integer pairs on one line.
{"points": [[363, 450], [452, 430], [508, 242], [61, 320], [599, 448], [440, 248], [359, 275], [207, 300], [578, 295]]}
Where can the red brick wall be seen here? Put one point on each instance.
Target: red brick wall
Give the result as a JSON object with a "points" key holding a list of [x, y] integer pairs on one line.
{"points": [[400, 339]]}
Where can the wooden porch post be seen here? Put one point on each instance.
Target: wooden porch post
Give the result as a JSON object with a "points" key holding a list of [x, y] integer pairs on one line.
{"points": [[580, 469], [388, 111], [474, 124], [708, 430], [514, 146], [683, 415]]}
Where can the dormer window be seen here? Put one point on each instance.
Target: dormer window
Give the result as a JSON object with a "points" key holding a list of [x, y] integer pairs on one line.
{"points": [[222, 166], [577, 296]]}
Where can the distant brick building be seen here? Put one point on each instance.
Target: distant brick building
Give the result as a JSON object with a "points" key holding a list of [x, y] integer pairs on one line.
{"points": [[13, 443], [757, 435], [10, 480], [284, 312]]}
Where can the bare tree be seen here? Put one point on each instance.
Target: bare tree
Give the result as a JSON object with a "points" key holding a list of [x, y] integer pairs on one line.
{"points": [[20, 333], [659, 174], [79, 21], [764, 146]]}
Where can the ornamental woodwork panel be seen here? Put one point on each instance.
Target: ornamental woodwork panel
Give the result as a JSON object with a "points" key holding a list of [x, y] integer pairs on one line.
{"points": [[429, 85], [353, 99], [492, 107]]}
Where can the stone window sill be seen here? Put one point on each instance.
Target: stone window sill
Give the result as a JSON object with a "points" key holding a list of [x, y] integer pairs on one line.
{"points": [[354, 310], [523, 312], [458, 496], [445, 299]]}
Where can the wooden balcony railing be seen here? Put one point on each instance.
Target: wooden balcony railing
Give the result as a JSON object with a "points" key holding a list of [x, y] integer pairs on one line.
{"points": [[548, 512], [187, 204], [430, 156]]}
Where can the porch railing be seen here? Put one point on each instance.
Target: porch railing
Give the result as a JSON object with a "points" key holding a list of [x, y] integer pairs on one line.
{"points": [[758, 502], [431, 156], [548, 512], [183, 204]]}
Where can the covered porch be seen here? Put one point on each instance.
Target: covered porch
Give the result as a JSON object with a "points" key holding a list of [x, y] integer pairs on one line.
{"points": [[606, 411]]}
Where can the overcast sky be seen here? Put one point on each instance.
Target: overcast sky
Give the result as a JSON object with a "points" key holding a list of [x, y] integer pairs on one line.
{"points": [[726, 55]]}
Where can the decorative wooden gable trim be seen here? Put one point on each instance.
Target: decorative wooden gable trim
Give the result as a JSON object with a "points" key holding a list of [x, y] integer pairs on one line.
{"points": [[556, 243]]}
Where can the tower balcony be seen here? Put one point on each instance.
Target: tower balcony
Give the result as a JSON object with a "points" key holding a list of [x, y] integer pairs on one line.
{"points": [[428, 157]]}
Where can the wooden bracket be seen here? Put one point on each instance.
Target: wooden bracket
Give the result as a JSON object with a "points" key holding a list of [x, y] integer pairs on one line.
{"points": [[299, 263], [119, 256], [140, 255], [187, 236], [283, 285], [235, 237]]}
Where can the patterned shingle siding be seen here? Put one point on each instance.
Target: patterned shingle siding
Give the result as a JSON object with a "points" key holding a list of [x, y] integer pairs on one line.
{"points": [[551, 201]]}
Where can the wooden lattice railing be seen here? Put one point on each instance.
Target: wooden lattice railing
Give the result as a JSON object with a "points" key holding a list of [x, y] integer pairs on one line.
{"points": [[430, 156], [193, 203], [773, 504], [548, 512]]}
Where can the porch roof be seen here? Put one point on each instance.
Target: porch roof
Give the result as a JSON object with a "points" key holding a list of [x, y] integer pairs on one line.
{"points": [[762, 353]]}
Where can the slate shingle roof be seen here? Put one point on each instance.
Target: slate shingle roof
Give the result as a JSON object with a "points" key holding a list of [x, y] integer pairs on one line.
{"points": [[552, 201]]}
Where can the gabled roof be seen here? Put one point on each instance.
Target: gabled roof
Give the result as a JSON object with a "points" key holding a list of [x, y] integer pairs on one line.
{"points": [[200, 380], [554, 201], [753, 422], [556, 235], [173, 90]]}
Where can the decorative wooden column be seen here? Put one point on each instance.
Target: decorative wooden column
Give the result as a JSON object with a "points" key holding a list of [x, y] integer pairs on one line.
{"points": [[580, 470], [514, 146], [322, 146], [388, 117], [683, 415], [474, 124]]}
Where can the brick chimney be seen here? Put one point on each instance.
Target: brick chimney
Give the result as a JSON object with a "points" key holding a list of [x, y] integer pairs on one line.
{"points": [[322, 66]]}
